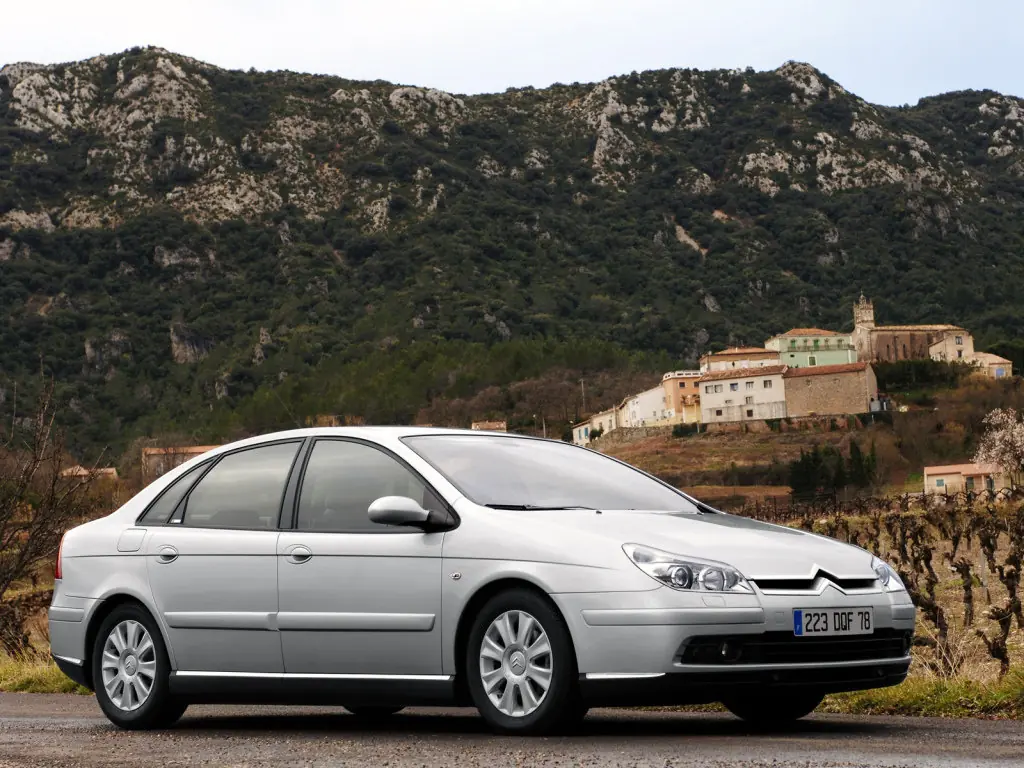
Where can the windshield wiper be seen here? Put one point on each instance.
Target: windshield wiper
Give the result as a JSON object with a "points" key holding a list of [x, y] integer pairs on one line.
{"points": [[534, 508]]}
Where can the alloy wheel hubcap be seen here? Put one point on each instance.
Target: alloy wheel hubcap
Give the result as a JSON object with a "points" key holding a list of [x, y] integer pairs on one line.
{"points": [[515, 663], [128, 665]]}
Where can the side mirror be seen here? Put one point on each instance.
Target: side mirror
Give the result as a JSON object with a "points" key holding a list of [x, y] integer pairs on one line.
{"points": [[398, 510]]}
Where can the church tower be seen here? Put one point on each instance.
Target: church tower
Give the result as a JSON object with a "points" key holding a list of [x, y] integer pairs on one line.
{"points": [[863, 313]]}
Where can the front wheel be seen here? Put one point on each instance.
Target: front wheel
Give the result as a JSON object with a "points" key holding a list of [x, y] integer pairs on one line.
{"points": [[130, 671], [774, 711], [520, 665]]}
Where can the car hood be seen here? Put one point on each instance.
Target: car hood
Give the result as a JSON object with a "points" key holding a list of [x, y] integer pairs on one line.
{"points": [[758, 550]]}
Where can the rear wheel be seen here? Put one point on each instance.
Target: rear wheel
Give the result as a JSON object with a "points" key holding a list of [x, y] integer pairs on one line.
{"points": [[130, 671], [374, 713], [774, 711], [520, 665]]}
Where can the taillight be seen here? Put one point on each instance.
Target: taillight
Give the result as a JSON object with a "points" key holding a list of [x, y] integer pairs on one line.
{"points": [[60, 548]]}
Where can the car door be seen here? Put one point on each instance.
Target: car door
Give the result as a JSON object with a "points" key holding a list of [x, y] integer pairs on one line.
{"points": [[213, 565], [355, 597]]}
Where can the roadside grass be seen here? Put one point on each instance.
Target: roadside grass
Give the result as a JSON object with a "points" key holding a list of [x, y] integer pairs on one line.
{"points": [[935, 697], [35, 673]]}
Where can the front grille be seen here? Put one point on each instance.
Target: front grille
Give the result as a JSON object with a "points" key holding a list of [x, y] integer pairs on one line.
{"points": [[786, 648], [811, 585]]}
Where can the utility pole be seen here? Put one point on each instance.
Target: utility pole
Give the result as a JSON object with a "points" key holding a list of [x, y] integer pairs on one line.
{"points": [[583, 394], [543, 424]]}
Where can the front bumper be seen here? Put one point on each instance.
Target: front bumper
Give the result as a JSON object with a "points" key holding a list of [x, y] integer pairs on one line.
{"points": [[630, 646], [705, 685]]}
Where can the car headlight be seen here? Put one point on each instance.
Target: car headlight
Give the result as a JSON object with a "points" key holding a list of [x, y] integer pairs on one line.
{"points": [[687, 573], [891, 581]]}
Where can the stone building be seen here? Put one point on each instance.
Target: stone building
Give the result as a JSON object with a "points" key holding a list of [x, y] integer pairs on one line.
{"points": [[830, 390], [888, 343]]}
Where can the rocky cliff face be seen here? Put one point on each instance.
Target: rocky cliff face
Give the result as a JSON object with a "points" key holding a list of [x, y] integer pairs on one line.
{"points": [[161, 129], [170, 216]]}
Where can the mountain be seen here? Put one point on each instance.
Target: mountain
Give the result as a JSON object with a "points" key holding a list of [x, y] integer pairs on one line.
{"points": [[189, 248]]}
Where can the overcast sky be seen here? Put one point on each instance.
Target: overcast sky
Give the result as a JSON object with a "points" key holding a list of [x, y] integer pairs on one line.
{"points": [[886, 51]]}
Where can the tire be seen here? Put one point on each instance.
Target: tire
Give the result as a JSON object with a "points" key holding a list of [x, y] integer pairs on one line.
{"points": [[769, 711], [529, 709], [374, 713], [122, 676]]}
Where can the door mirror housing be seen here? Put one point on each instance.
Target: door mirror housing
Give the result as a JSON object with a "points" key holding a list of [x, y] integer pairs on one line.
{"points": [[401, 510]]}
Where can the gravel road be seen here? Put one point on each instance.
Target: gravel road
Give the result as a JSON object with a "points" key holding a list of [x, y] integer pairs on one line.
{"points": [[43, 730]]}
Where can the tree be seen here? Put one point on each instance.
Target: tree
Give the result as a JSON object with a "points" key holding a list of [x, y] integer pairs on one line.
{"points": [[1002, 443]]}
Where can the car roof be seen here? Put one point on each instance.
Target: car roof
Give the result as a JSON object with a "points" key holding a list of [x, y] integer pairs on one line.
{"points": [[367, 432]]}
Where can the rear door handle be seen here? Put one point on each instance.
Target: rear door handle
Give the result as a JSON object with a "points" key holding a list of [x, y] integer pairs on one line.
{"points": [[166, 554], [299, 554]]}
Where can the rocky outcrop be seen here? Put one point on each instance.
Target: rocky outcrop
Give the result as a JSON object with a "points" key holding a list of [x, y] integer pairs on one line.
{"points": [[187, 346]]}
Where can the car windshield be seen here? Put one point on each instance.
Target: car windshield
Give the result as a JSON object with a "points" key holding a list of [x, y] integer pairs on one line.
{"points": [[529, 474]]}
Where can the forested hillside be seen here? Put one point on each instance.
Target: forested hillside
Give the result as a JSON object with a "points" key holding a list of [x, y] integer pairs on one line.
{"points": [[205, 251]]}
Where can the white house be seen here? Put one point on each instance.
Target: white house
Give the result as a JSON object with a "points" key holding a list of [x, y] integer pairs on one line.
{"points": [[647, 408], [744, 394], [602, 423]]}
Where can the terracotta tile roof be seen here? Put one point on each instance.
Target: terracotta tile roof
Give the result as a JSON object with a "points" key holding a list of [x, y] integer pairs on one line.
{"points": [[988, 358], [920, 328], [963, 469], [812, 332], [731, 351], [185, 450], [743, 373], [824, 370]]}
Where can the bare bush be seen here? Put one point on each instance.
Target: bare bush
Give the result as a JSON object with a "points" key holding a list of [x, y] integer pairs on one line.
{"points": [[37, 505]]}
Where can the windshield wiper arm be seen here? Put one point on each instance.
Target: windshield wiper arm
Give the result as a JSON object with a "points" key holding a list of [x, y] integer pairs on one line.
{"points": [[534, 508]]}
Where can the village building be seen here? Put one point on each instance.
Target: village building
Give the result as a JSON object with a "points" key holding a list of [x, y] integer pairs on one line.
{"points": [[954, 478], [743, 394], [807, 347], [647, 408], [682, 396], [101, 473], [598, 424], [738, 357], [490, 426], [888, 343], [157, 461], [830, 390], [993, 366]]}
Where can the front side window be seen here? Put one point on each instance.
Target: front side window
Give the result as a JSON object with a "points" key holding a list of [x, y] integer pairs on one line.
{"points": [[343, 478], [525, 473], [767, 383], [959, 340], [243, 490], [718, 387], [734, 387], [940, 483], [750, 385]]}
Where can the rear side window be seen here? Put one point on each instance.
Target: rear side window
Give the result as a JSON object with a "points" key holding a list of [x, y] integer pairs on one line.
{"points": [[160, 510], [243, 490], [343, 478]]}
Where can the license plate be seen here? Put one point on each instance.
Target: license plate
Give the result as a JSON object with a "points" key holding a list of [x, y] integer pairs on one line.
{"points": [[832, 621]]}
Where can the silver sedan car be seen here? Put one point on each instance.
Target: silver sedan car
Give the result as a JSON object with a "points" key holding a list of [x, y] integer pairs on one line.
{"points": [[381, 567]]}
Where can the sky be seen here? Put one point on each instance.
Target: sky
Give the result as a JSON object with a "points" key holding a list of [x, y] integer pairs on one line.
{"points": [[886, 51]]}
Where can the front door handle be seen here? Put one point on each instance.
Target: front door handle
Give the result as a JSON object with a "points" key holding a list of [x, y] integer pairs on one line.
{"points": [[166, 554], [299, 555]]}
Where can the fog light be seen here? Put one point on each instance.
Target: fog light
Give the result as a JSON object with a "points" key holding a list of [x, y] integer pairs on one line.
{"points": [[712, 579], [729, 652], [681, 577]]}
